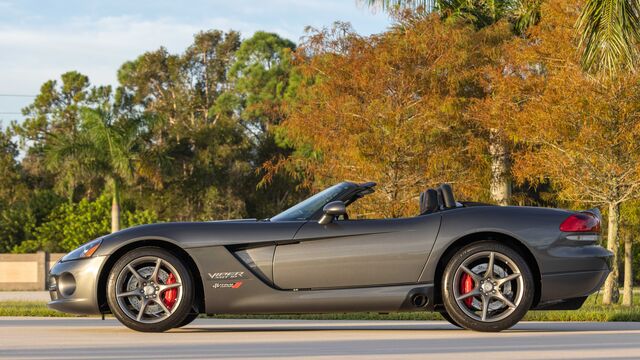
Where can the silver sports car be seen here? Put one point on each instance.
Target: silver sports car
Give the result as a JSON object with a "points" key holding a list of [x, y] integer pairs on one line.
{"points": [[481, 266]]}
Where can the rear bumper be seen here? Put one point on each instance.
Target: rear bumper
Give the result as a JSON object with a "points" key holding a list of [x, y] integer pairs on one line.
{"points": [[568, 285], [565, 286], [73, 286]]}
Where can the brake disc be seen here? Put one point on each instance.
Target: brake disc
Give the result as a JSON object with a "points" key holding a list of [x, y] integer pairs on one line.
{"points": [[506, 288], [132, 284]]}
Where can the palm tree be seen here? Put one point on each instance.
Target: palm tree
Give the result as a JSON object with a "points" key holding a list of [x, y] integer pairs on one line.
{"points": [[521, 13], [610, 35], [105, 147], [114, 152]]}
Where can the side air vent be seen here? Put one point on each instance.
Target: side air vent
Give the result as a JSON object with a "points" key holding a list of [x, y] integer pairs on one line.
{"points": [[259, 260]]}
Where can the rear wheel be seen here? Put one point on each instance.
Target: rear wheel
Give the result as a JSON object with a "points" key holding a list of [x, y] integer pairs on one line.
{"points": [[150, 290], [487, 286], [188, 320]]}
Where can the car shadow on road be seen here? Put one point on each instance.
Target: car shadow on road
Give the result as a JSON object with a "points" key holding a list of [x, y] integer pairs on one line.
{"points": [[526, 327]]}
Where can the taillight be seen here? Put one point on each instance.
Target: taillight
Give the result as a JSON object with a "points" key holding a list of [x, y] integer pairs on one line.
{"points": [[581, 222]]}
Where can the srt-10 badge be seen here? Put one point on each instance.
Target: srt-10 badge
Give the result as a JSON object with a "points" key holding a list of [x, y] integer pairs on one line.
{"points": [[234, 285]]}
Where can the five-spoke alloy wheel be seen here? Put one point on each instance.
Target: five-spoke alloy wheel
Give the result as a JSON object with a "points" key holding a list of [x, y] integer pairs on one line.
{"points": [[149, 289], [487, 286]]}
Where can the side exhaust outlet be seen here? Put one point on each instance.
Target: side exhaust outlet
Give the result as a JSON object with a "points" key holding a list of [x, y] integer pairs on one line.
{"points": [[419, 300]]}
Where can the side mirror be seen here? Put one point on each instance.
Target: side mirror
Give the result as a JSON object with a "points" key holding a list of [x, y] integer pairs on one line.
{"points": [[331, 211]]}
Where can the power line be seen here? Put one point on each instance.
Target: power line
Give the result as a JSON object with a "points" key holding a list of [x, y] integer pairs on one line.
{"points": [[17, 95], [10, 113]]}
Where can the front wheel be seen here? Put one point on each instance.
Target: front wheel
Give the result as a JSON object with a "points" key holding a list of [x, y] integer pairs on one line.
{"points": [[448, 317], [487, 286], [150, 290]]}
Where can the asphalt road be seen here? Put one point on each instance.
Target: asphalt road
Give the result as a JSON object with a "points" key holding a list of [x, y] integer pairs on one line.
{"points": [[82, 338]]}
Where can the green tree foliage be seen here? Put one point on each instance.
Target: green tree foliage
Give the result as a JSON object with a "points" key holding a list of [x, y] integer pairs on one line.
{"points": [[72, 224], [105, 146], [260, 76], [16, 224], [19, 220], [54, 117], [11, 177], [14, 219], [184, 135], [210, 112], [83, 137], [191, 126]]}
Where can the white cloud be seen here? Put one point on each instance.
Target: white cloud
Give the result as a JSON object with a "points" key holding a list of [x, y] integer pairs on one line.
{"points": [[97, 48], [39, 44]]}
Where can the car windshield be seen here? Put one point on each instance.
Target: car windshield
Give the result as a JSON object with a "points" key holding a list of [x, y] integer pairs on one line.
{"points": [[306, 209]]}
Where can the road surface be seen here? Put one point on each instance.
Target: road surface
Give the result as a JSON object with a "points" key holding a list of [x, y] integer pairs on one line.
{"points": [[91, 338]]}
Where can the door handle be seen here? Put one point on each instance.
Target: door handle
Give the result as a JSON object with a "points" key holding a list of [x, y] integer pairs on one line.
{"points": [[287, 242]]}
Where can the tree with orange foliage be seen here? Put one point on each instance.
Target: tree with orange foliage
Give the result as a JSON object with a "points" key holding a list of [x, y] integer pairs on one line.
{"points": [[588, 143], [573, 130], [417, 105], [514, 72], [387, 109], [580, 132]]}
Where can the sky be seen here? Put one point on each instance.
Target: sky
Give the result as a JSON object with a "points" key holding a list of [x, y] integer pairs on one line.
{"points": [[41, 39]]}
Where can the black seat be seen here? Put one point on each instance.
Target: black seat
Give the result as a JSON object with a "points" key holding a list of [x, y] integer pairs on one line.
{"points": [[428, 201], [440, 198], [448, 201]]}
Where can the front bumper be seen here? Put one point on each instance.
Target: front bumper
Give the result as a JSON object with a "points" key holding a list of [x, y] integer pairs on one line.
{"points": [[73, 285]]}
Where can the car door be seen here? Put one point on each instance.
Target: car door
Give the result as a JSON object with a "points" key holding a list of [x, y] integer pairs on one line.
{"points": [[356, 253]]}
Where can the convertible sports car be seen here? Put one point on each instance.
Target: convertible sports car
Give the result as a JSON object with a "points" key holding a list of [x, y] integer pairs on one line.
{"points": [[481, 266]]}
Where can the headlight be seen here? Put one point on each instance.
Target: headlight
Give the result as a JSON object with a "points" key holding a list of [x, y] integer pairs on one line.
{"points": [[84, 251]]}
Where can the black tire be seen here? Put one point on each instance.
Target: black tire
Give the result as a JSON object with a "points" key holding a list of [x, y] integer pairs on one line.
{"points": [[448, 317], [503, 308], [123, 307], [188, 320]]}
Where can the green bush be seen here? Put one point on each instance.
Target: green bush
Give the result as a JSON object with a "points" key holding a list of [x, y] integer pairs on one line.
{"points": [[19, 220], [72, 224], [16, 223]]}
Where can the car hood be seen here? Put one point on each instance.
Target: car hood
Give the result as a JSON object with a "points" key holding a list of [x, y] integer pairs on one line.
{"points": [[202, 234]]}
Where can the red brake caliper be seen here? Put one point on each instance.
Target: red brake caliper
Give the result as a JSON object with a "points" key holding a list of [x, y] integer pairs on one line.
{"points": [[466, 285], [170, 295]]}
